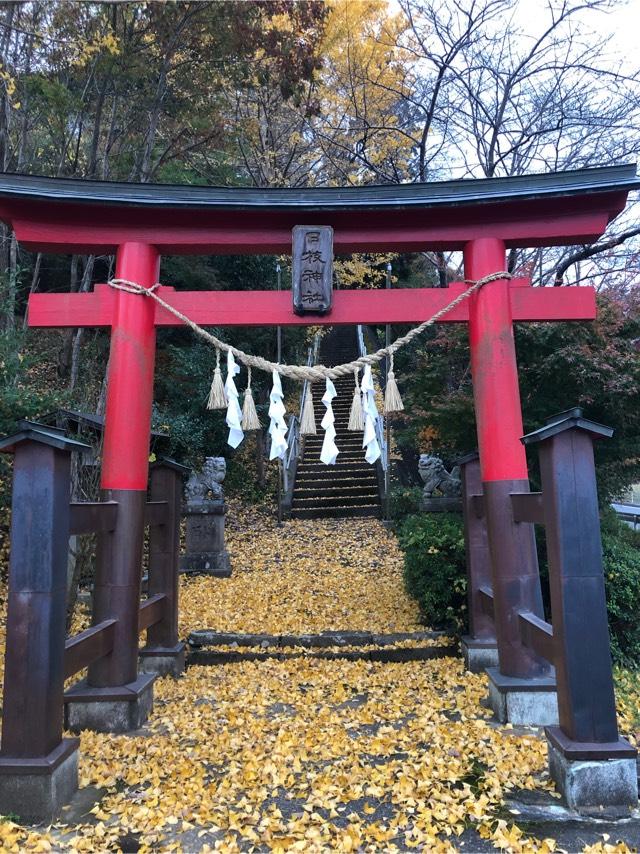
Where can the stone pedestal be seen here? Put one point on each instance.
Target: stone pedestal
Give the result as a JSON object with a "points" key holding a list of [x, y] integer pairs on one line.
{"points": [[37, 789], [206, 552], [479, 654], [162, 661], [440, 504], [592, 776], [523, 702], [118, 709]]}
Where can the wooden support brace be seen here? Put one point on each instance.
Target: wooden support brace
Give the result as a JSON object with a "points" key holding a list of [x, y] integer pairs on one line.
{"points": [[152, 611], [92, 517], [486, 601], [537, 634], [86, 647], [527, 507]]}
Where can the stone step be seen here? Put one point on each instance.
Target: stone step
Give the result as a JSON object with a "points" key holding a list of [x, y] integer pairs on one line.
{"points": [[342, 466], [337, 473], [339, 417], [338, 412], [344, 443], [355, 458], [341, 426], [335, 501], [340, 637], [342, 406], [347, 489], [329, 490], [385, 656], [373, 511], [204, 646], [351, 456], [351, 437], [346, 453], [309, 472], [304, 486], [354, 450]]}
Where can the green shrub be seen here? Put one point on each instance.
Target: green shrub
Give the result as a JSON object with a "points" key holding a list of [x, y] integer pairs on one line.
{"points": [[434, 567], [404, 501], [435, 575], [621, 553]]}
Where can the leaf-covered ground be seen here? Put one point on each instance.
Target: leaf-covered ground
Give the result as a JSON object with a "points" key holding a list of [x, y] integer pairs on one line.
{"points": [[303, 577], [304, 754]]}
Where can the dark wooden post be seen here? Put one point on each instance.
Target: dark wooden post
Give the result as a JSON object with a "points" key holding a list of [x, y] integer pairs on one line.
{"points": [[477, 547], [586, 702], [116, 591], [38, 768], [479, 646], [591, 765], [163, 653]]}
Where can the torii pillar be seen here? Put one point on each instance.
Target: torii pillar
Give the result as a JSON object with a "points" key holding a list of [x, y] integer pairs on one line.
{"points": [[125, 456], [512, 545], [115, 697]]}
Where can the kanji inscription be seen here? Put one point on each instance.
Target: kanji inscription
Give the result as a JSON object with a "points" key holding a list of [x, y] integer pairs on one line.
{"points": [[312, 269]]}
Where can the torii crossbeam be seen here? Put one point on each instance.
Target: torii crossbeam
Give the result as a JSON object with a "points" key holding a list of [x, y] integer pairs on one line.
{"points": [[483, 218]]}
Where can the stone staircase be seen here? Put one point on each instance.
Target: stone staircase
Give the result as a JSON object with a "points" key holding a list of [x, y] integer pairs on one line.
{"points": [[350, 487]]}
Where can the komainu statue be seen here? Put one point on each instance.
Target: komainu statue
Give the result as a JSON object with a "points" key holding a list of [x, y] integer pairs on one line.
{"points": [[437, 479], [206, 484]]}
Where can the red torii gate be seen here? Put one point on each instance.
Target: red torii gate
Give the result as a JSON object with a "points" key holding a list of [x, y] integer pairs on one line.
{"points": [[483, 218]]}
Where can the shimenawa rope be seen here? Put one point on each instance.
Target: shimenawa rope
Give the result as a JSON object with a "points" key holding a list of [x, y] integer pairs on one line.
{"points": [[313, 373]]}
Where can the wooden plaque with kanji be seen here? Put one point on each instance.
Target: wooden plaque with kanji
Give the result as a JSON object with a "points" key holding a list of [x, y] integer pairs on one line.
{"points": [[312, 269]]}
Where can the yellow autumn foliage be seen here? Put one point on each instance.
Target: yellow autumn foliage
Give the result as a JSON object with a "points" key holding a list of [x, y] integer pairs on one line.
{"points": [[303, 754]]}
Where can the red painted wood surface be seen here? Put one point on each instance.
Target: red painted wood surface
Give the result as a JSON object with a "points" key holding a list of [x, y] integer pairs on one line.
{"points": [[271, 308], [493, 365], [86, 228], [130, 380]]}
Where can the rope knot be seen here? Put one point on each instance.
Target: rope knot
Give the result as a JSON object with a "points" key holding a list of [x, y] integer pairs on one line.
{"points": [[132, 287]]}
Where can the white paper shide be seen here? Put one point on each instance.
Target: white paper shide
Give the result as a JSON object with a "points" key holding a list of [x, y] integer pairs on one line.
{"points": [[329, 452], [370, 413], [234, 413], [277, 424]]}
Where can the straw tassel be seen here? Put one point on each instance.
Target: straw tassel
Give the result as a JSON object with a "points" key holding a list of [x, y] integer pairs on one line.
{"points": [[308, 422], [356, 419], [217, 397], [392, 400], [250, 420]]}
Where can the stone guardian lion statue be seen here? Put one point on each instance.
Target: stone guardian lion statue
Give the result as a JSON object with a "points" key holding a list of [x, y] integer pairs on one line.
{"points": [[206, 484], [437, 479]]}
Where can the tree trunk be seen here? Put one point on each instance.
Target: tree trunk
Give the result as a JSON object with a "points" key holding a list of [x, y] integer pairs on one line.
{"points": [[12, 285], [64, 354], [78, 334], [35, 280]]}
